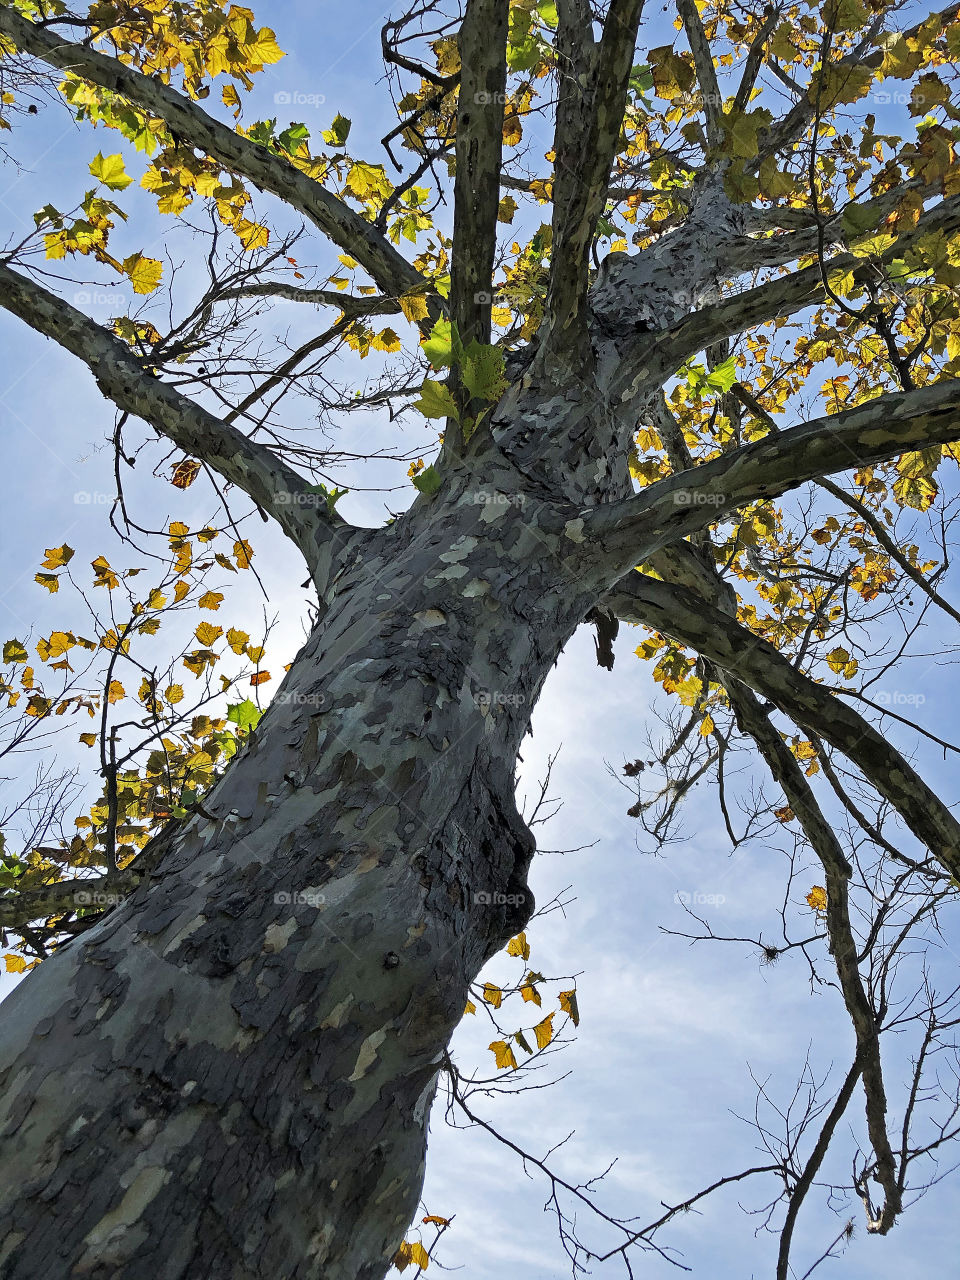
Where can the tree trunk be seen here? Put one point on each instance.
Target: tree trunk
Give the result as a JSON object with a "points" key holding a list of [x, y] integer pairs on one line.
{"points": [[231, 1075]]}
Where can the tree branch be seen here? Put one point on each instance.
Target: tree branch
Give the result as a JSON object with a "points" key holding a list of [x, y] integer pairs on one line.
{"points": [[345, 227], [786, 771], [124, 378], [476, 194], [689, 619], [590, 106], [706, 72], [656, 358], [628, 532]]}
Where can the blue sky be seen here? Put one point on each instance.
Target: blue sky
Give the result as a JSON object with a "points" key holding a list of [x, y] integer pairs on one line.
{"points": [[660, 1068]]}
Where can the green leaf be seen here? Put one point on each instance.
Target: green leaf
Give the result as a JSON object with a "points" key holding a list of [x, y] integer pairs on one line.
{"points": [[723, 376], [110, 171], [262, 132], [436, 401], [443, 345], [856, 221], [641, 80], [483, 372], [428, 481], [547, 10], [330, 496], [291, 138], [337, 134], [523, 52], [245, 715]]}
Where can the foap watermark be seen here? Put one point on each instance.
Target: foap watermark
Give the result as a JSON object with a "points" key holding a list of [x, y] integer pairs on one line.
{"points": [[96, 898], [294, 698], [898, 698], [99, 298], [88, 498], [697, 101], [484, 498], [483, 297], [482, 898], [686, 898], [483, 98], [694, 498], [487, 698], [898, 98], [302, 498], [296, 98], [299, 898]]}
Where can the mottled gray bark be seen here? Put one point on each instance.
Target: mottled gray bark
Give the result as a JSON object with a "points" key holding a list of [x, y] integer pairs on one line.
{"points": [[230, 1076]]}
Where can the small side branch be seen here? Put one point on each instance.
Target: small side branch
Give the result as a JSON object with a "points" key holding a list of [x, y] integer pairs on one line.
{"points": [[126, 380], [689, 619]]}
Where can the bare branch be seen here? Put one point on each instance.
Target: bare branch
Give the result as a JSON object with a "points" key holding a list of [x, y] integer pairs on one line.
{"points": [[126, 380], [689, 619]]}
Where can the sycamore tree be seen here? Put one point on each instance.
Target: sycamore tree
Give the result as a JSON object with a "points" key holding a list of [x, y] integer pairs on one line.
{"points": [[693, 367]]}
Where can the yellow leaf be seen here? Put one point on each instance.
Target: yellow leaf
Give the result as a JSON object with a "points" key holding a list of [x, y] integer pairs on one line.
{"points": [[414, 307], [88, 739], [184, 473], [206, 633], [251, 234], [401, 1259], [15, 964], [386, 340], [503, 1054], [57, 557], [492, 994], [544, 1031], [244, 554], [519, 946], [817, 898], [530, 993], [179, 591], [174, 694], [104, 576], [115, 691], [568, 1003], [60, 642], [144, 273], [261, 677], [264, 49], [211, 600], [237, 640], [48, 580], [110, 171], [507, 208], [470, 1007]]}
